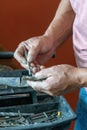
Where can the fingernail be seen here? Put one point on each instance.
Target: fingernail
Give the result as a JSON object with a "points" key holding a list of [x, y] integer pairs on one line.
{"points": [[37, 75], [23, 61], [29, 58]]}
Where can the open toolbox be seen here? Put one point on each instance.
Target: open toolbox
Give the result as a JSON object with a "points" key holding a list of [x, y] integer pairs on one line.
{"points": [[21, 108], [28, 110]]}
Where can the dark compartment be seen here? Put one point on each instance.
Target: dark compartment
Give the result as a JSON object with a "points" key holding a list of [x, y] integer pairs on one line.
{"points": [[45, 106]]}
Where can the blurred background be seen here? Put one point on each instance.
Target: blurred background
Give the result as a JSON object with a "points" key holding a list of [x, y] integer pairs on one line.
{"points": [[22, 19]]}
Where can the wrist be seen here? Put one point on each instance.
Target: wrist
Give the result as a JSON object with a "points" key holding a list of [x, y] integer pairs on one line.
{"points": [[50, 37], [82, 76], [48, 41]]}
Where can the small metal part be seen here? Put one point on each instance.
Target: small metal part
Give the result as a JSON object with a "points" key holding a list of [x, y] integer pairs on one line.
{"points": [[9, 121], [32, 78], [29, 67], [12, 114], [44, 116], [22, 119]]}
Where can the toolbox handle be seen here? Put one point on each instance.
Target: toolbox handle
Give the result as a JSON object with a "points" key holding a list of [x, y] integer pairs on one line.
{"points": [[10, 55], [6, 55]]}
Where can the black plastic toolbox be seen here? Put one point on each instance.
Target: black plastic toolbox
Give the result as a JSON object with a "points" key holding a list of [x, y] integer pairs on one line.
{"points": [[37, 103], [24, 100]]}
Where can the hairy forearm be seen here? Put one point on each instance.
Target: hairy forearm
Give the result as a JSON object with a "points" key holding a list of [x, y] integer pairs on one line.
{"points": [[61, 26]]}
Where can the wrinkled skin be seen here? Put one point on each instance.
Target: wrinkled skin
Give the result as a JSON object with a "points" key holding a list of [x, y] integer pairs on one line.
{"points": [[60, 80], [38, 49]]}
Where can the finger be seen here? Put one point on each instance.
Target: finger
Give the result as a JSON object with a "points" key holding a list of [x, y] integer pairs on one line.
{"points": [[25, 66], [33, 65], [39, 86], [36, 67], [44, 73], [42, 67], [34, 70], [19, 54]]}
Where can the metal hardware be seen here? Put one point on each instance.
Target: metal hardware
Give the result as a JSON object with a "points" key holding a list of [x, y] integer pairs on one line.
{"points": [[8, 119]]}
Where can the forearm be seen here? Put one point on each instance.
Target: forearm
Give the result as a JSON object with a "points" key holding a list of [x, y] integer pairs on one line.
{"points": [[61, 26]]}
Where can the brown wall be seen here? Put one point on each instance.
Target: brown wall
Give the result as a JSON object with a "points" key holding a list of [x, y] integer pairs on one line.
{"points": [[22, 19]]}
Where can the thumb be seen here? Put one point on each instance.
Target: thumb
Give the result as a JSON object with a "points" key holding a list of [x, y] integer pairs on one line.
{"points": [[41, 74], [21, 59]]}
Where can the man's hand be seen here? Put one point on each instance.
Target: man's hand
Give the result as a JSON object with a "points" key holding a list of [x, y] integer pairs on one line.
{"points": [[60, 79], [39, 50]]}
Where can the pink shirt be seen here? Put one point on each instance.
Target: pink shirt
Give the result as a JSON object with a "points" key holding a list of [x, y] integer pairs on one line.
{"points": [[80, 32]]}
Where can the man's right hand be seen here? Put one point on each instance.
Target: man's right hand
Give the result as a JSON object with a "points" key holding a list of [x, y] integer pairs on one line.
{"points": [[39, 50]]}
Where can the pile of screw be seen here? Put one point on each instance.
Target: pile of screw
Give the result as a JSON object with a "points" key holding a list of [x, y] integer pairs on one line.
{"points": [[12, 119]]}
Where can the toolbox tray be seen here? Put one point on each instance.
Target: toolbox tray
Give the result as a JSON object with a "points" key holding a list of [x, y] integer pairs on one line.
{"points": [[44, 103]]}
